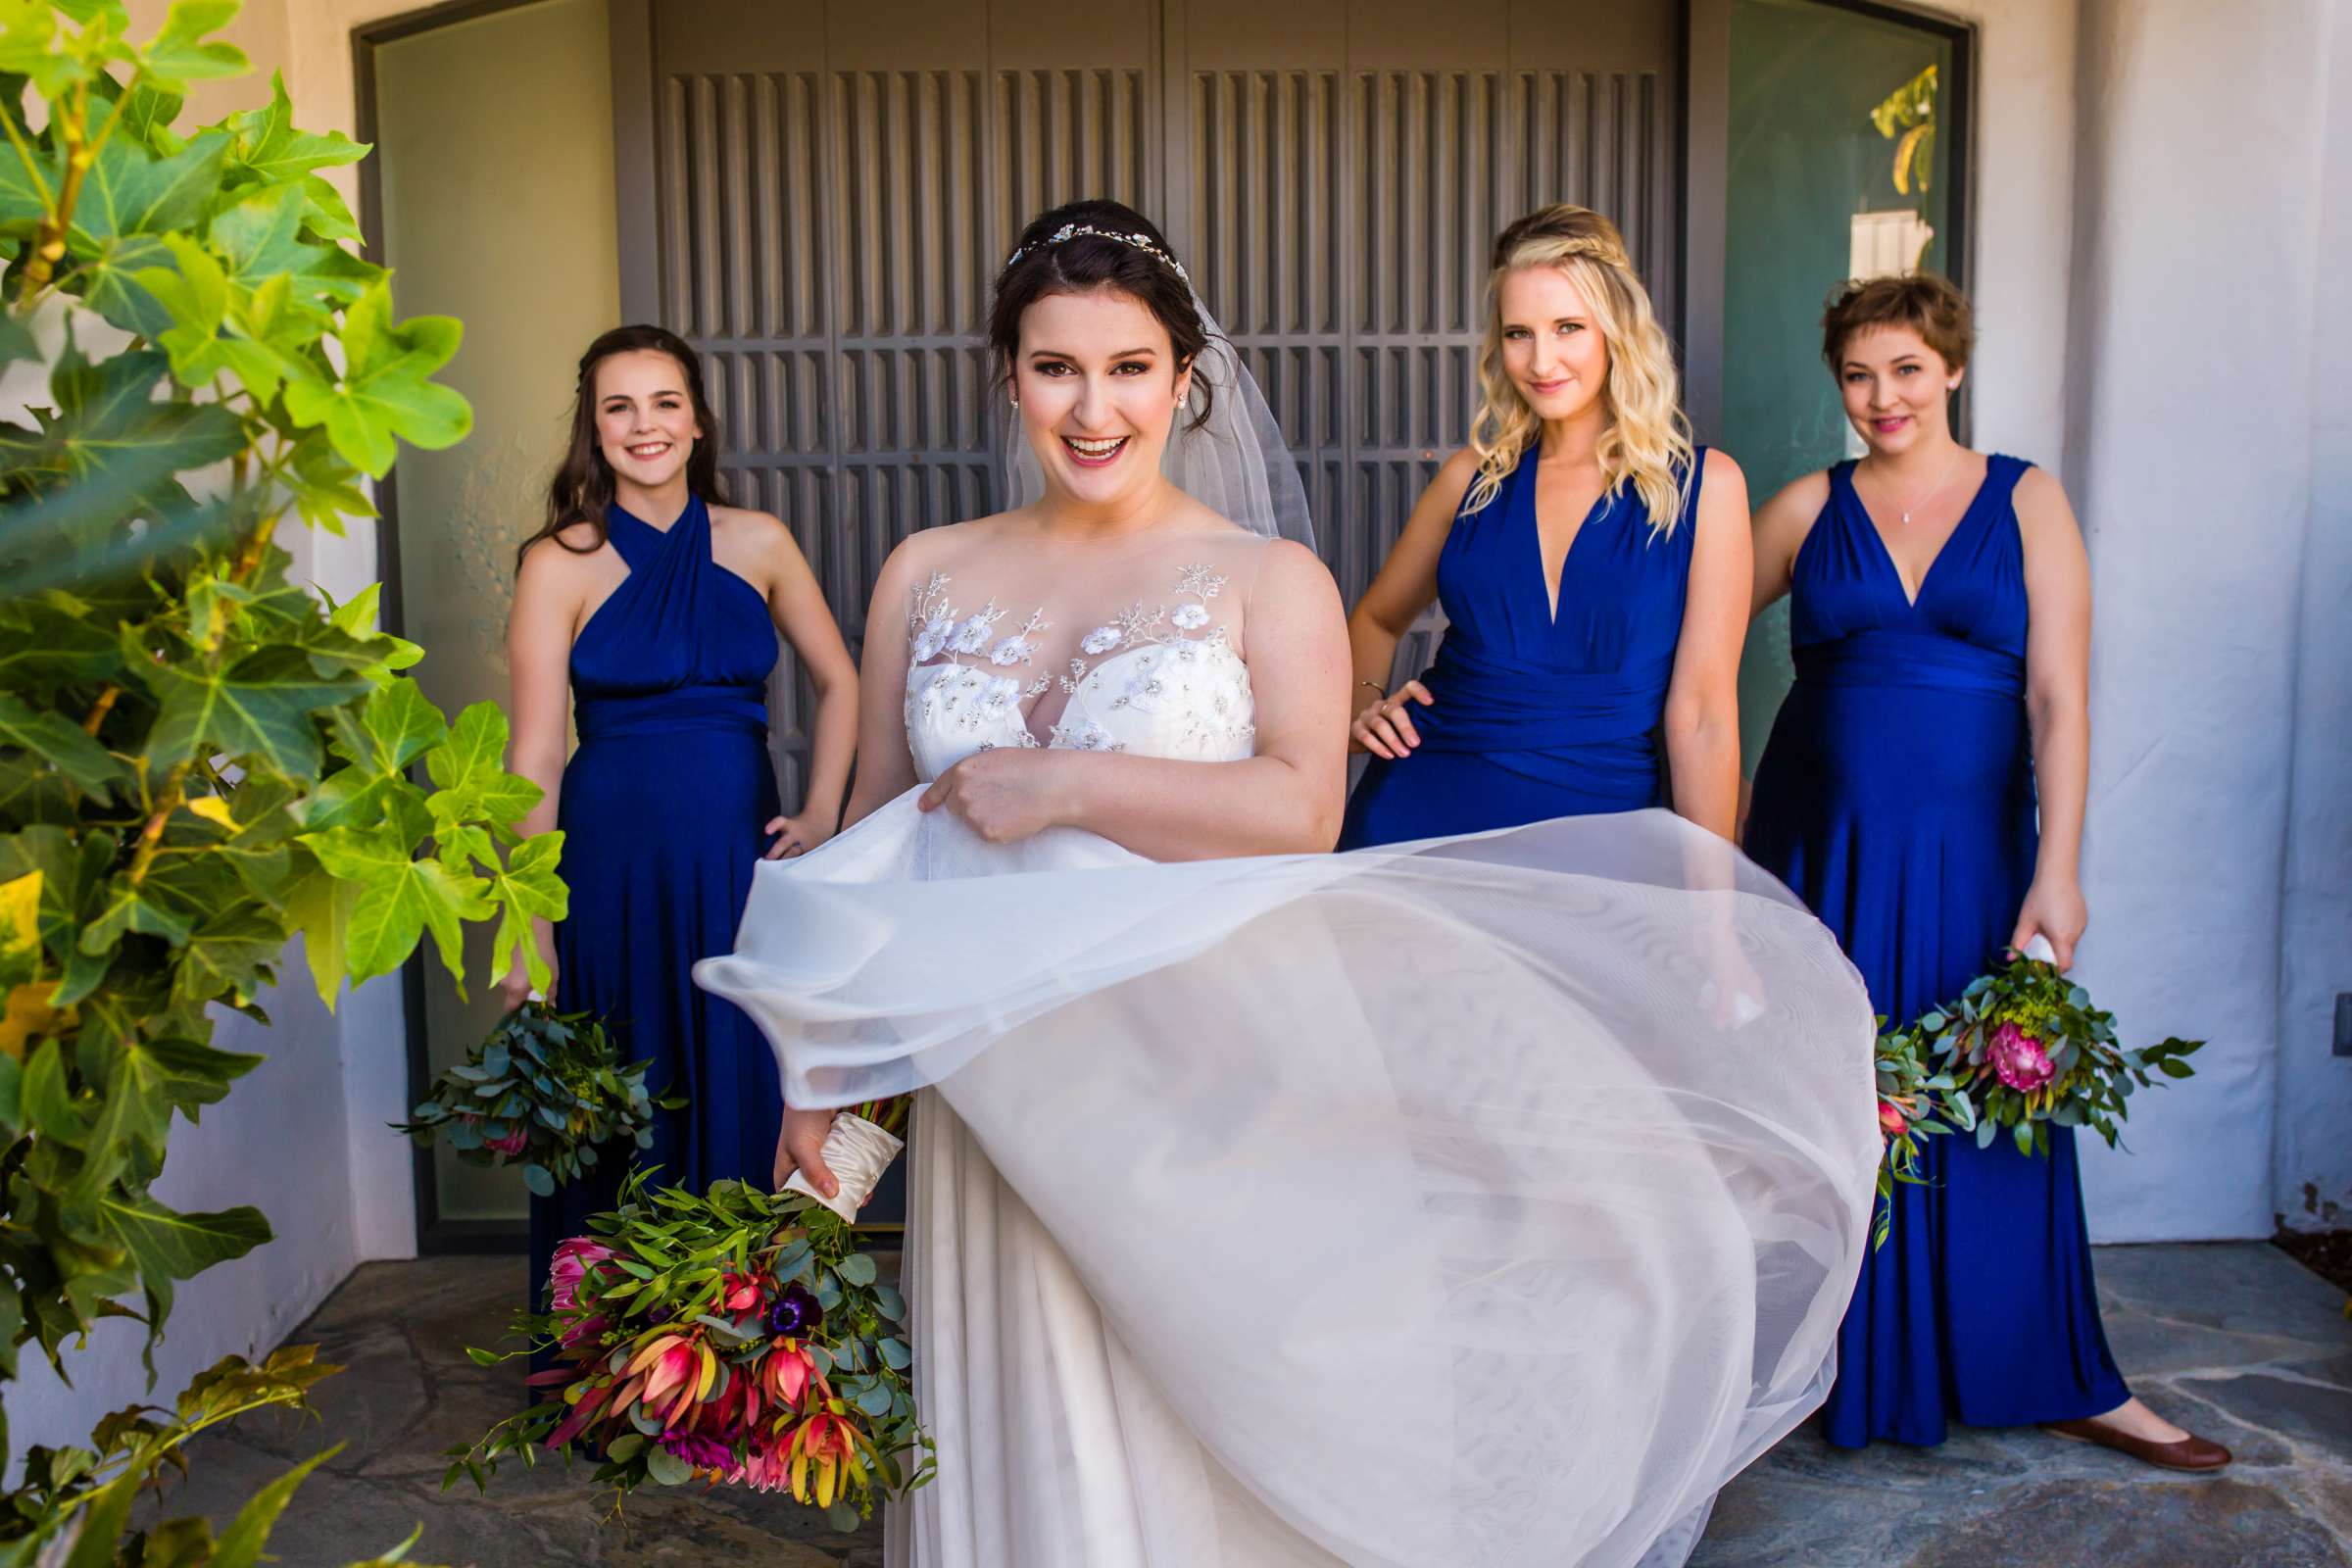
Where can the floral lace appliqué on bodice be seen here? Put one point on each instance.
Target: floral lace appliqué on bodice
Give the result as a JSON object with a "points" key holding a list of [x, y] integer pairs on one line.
{"points": [[1159, 680]]}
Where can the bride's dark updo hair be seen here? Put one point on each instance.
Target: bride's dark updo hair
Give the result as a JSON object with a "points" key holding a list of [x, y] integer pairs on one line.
{"points": [[1080, 247]]}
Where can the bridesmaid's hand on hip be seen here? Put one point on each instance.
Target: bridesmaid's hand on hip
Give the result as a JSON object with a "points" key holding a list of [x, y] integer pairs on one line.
{"points": [[794, 836], [2054, 910], [1385, 728]]}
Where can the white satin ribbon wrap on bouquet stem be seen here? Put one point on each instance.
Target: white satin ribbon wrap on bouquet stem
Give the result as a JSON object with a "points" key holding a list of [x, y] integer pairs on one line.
{"points": [[856, 1152]]}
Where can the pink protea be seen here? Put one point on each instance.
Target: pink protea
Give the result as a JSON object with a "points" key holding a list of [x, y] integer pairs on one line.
{"points": [[2020, 1059], [584, 1331], [572, 1259], [786, 1373], [512, 1143], [1890, 1119], [766, 1466]]}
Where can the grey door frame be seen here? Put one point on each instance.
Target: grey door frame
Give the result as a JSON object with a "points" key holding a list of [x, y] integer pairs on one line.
{"points": [[437, 1233]]}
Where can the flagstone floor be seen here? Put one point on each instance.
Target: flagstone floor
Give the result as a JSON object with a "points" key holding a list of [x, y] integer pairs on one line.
{"points": [[2235, 1339]]}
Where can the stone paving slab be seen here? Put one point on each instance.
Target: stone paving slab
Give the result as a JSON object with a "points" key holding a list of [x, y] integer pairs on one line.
{"points": [[2236, 1341]]}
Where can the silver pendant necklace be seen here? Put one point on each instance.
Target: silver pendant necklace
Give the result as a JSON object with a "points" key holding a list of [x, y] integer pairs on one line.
{"points": [[1943, 479]]}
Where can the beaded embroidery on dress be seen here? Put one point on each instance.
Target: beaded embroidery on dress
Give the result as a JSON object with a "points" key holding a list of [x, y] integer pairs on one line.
{"points": [[1161, 677]]}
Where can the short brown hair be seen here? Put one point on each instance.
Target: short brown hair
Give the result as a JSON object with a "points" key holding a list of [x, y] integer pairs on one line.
{"points": [[1930, 306]]}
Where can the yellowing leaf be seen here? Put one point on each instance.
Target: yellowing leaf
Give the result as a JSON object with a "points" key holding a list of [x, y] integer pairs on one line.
{"points": [[20, 926], [30, 1017], [213, 808]]}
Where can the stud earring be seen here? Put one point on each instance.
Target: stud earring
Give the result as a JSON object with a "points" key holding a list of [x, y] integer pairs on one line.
{"points": [[1016, 404]]}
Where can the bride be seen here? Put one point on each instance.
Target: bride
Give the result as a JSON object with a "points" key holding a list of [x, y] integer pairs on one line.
{"points": [[1421, 1205]]}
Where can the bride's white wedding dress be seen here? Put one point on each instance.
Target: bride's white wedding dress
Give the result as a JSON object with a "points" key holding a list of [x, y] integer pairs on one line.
{"points": [[1418, 1206]]}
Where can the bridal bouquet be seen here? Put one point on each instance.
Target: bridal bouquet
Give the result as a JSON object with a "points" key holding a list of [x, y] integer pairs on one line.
{"points": [[545, 1089], [2023, 1048], [734, 1336]]}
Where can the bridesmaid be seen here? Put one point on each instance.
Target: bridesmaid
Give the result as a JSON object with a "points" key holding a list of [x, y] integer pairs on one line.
{"points": [[1940, 619], [1592, 566], [658, 605]]}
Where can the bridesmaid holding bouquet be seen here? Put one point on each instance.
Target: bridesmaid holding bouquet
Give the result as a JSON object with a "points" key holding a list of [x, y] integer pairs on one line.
{"points": [[1923, 791]]}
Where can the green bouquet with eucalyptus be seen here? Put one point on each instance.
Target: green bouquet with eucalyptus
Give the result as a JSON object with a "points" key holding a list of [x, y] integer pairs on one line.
{"points": [[545, 1089]]}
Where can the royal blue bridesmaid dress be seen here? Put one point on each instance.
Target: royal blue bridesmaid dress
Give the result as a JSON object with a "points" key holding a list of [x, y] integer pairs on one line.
{"points": [[1896, 797], [664, 808], [1537, 714]]}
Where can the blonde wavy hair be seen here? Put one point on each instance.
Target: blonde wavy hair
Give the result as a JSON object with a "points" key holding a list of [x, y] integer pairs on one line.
{"points": [[1647, 444]]}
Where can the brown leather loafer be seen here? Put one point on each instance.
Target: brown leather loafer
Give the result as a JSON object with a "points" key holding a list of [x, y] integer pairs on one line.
{"points": [[2191, 1454]]}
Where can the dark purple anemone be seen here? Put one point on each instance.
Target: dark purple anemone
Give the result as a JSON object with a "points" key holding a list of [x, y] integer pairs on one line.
{"points": [[797, 1315]]}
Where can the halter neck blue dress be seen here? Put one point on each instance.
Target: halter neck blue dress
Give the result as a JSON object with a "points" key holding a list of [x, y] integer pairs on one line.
{"points": [[1538, 714], [1896, 797], [664, 809]]}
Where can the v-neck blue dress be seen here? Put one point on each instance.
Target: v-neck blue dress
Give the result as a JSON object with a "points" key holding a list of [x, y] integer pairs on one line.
{"points": [[1538, 714], [1896, 797], [664, 808]]}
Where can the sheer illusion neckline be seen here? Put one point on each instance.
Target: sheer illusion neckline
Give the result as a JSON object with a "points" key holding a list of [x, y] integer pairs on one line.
{"points": [[1878, 535], [940, 636]]}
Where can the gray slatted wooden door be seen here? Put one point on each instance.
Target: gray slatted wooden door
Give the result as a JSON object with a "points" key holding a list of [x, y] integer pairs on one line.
{"points": [[816, 196]]}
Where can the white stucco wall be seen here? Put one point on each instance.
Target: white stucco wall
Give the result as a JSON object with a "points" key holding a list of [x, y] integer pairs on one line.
{"points": [[2191, 401], [2154, 188], [2313, 1162]]}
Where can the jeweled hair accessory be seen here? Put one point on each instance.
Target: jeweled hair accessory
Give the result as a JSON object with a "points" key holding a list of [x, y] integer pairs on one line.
{"points": [[1070, 231]]}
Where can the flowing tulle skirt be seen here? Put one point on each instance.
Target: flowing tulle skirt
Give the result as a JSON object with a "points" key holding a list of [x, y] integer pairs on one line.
{"points": [[1485, 1200]]}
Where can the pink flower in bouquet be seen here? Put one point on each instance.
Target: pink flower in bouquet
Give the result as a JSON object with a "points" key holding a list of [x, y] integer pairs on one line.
{"points": [[2020, 1059], [514, 1143], [1890, 1119], [678, 1369], [786, 1374], [739, 1292], [572, 1259], [766, 1466]]}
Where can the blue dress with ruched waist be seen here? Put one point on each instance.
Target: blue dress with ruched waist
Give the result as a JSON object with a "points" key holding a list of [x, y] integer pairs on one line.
{"points": [[1896, 799], [664, 809], [1538, 715]]}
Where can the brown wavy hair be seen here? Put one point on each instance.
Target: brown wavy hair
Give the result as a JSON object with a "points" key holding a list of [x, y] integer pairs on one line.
{"points": [[582, 486]]}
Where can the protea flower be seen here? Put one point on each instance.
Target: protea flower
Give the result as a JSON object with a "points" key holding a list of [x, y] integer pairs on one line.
{"points": [[827, 1445], [572, 1259], [765, 1468], [679, 1370], [739, 1292], [513, 1142], [797, 1313], [1890, 1119], [785, 1374], [2020, 1059]]}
